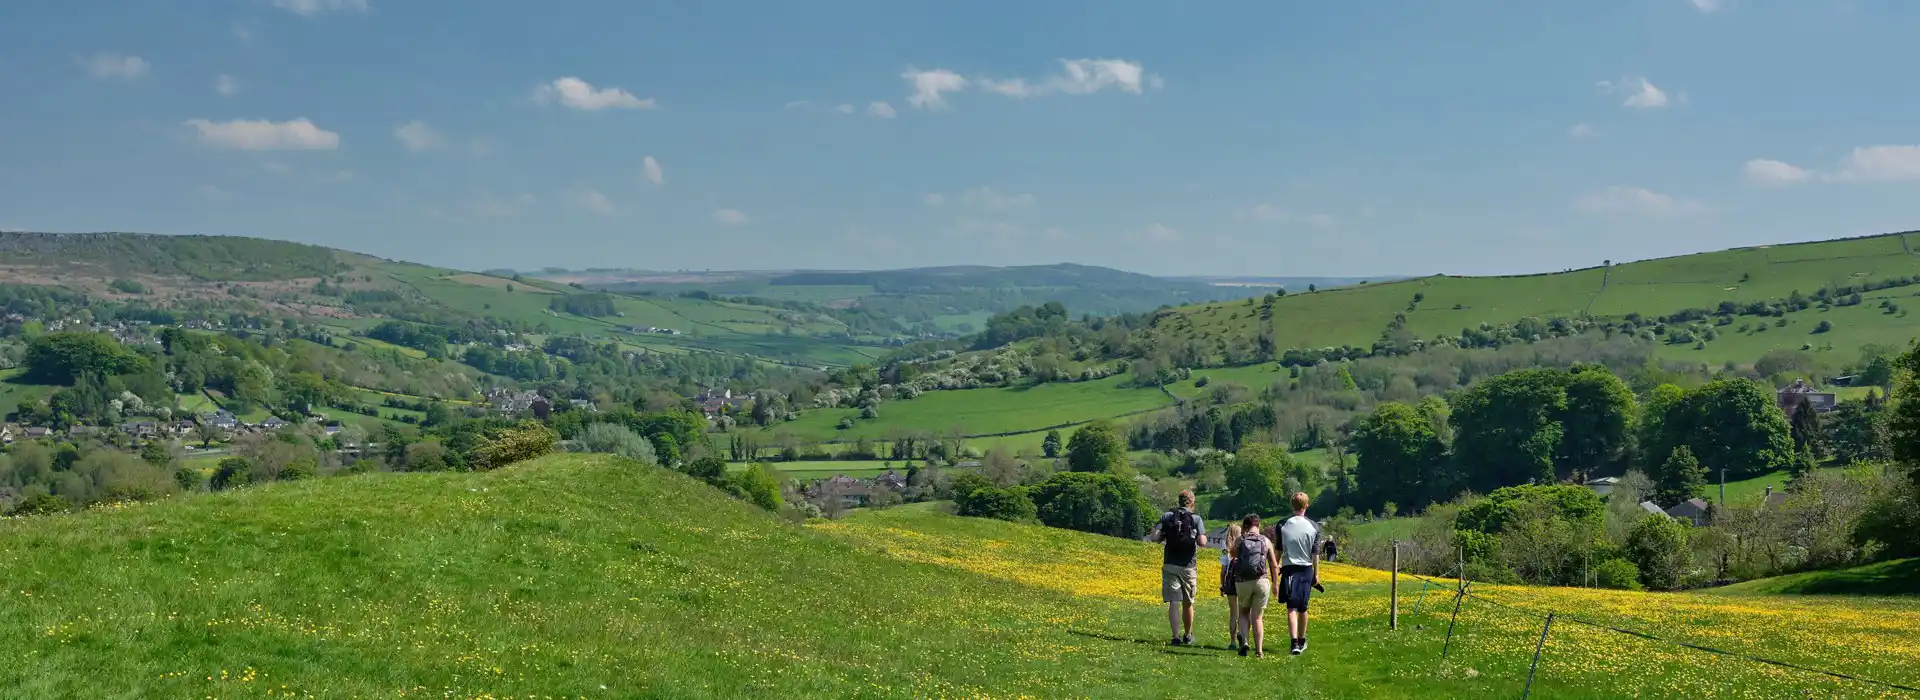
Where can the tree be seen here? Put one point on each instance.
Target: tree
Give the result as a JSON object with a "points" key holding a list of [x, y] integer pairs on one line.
{"points": [[1256, 482], [710, 469], [1730, 424], [1596, 423], [1658, 546], [156, 453], [1400, 458], [59, 358], [1804, 427], [1651, 430], [1051, 445], [1097, 447], [435, 415], [1001, 503], [666, 449], [1000, 467], [232, 472], [1679, 478], [527, 440], [1857, 431], [40, 504], [1101, 503], [758, 484], [1507, 429], [616, 439]]}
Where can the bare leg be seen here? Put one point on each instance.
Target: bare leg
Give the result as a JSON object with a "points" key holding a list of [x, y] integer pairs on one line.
{"points": [[1258, 623], [1186, 613], [1173, 619], [1293, 625]]}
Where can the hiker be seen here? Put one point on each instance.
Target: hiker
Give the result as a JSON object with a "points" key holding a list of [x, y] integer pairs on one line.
{"points": [[1299, 570], [1236, 638], [1255, 568], [1331, 551], [1182, 533]]}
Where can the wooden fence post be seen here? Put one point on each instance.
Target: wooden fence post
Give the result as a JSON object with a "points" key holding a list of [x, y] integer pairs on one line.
{"points": [[1457, 598], [1393, 610], [1536, 657]]}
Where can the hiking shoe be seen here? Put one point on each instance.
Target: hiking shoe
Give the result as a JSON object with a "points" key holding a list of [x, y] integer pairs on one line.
{"points": [[1300, 647], [1174, 643], [1244, 650], [1186, 641]]}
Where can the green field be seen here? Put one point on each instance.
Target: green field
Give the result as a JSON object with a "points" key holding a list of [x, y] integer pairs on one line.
{"points": [[14, 391], [982, 411], [1358, 315], [556, 578], [1899, 577]]}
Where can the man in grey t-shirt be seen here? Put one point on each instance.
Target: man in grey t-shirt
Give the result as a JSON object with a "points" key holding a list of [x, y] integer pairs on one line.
{"points": [[1299, 569]]}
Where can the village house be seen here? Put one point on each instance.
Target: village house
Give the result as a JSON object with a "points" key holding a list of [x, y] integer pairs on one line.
{"points": [[1790, 395], [1604, 485], [1692, 510]]}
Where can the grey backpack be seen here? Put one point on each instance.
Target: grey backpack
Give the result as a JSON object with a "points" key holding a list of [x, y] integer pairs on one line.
{"points": [[1250, 559]]}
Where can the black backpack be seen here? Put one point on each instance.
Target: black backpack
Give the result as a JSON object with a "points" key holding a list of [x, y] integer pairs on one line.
{"points": [[1179, 527], [1250, 559]]}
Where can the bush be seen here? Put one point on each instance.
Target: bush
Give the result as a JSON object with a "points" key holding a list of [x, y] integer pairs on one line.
{"points": [[1618, 574], [525, 441], [40, 504], [710, 469], [1010, 504], [232, 472], [1106, 504], [757, 484], [1823, 327], [1658, 546], [616, 439]]}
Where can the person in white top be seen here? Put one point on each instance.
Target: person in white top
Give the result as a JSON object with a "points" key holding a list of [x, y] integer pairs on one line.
{"points": [[1299, 569]]}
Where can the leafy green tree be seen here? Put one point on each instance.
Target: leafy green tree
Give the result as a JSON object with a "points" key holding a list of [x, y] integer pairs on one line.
{"points": [[40, 504], [232, 472], [1730, 424], [1097, 447], [1596, 423], [1256, 482], [156, 453], [435, 415], [1857, 431], [1400, 458], [1617, 574], [527, 440], [1001, 503], [1651, 431], [1507, 429], [758, 484], [616, 439], [1805, 428], [1051, 445], [710, 468], [1101, 503], [667, 449], [59, 358], [1679, 478], [1657, 545]]}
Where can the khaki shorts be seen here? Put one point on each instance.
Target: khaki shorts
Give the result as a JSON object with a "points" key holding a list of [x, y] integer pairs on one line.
{"points": [[1253, 595], [1179, 584]]}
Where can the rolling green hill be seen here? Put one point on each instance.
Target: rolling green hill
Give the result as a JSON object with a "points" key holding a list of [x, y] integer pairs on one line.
{"points": [[1359, 315], [583, 577]]}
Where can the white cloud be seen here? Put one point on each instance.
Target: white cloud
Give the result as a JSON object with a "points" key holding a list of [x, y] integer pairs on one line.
{"points": [[934, 199], [1078, 76], [1706, 5], [1880, 164], [113, 66], [844, 109], [309, 8], [263, 135], [580, 94], [1582, 131], [243, 32], [1774, 173], [226, 85], [928, 87], [729, 217], [1640, 93], [653, 172], [417, 136], [881, 110], [591, 200], [799, 106], [1634, 201], [1270, 214], [986, 199]]}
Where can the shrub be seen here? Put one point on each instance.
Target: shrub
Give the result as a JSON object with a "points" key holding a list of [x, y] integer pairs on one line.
{"points": [[1618, 574], [522, 442], [616, 439], [1100, 503], [711, 469], [757, 484], [1010, 504], [40, 504], [1823, 327], [1658, 546], [232, 472]]}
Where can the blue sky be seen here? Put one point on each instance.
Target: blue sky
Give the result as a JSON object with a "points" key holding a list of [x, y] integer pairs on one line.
{"points": [[1171, 137]]}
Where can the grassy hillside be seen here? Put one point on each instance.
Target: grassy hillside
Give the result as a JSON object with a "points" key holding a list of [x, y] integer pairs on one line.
{"points": [[194, 257], [992, 411], [1898, 577], [1358, 315], [579, 577]]}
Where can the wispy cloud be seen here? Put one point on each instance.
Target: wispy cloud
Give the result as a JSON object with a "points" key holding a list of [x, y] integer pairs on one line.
{"points": [[579, 94], [1271, 214], [263, 135], [930, 86], [1582, 131], [1638, 93], [214, 194], [1881, 164], [934, 199], [729, 217], [1706, 6], [881, 110], [417, 136], [1160, 232], [844, 109], [1773, 173], [1079, 76], [593, 201], [1635, 201], [653, 172], [991, 200], [309, 8], [226, 85], [113, 66]]}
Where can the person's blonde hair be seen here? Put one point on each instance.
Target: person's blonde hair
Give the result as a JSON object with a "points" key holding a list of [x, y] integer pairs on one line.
{"points": [[1300, 501], [1233, 536]]}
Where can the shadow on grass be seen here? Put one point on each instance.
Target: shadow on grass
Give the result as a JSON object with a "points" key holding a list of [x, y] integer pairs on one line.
{"points": [[1163, 647], [1893, 578]]}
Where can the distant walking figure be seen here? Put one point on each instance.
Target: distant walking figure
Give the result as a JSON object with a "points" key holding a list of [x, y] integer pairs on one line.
{"points": [[1300, 569], [1182, 533], [1255, 567], [1236, 636], [1330, 550]]}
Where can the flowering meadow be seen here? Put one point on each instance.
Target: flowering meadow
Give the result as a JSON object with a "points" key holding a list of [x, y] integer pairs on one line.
{"points": [[580, 577]]}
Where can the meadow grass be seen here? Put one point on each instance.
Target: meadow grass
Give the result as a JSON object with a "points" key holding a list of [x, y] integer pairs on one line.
{"points": [[988, 411], [1898, 577], [579, 576]]}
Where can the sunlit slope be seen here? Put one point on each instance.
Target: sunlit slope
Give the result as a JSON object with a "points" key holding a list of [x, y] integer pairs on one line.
{"points": [[578, 577], [1359, 315]]}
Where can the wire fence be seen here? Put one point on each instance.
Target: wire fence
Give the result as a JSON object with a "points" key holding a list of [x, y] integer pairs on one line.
{"points": [[1464, 591]]}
